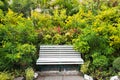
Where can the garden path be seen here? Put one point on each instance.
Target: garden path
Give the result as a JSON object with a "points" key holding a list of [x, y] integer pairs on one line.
{"points": [[60, 76]]}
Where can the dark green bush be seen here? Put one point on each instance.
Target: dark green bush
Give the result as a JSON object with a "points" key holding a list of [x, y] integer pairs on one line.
{"points": [[116, 63]]}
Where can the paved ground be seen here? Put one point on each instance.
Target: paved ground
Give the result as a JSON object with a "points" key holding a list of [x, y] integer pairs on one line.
{"points": [[60, 76]]}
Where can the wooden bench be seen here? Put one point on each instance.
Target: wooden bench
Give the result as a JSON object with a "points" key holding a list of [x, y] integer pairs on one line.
{"points": [[58, 55]]}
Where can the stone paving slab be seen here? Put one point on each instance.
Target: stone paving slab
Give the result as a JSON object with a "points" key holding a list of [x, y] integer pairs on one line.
{"points": [[44, 73], [72, 78], [53, 78], [59, 76]]}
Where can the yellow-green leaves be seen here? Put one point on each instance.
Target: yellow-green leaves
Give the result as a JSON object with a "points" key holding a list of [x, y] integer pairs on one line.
{"points": [[29, 73]]}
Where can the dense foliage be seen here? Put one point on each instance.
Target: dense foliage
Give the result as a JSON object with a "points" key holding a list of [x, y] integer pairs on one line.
{"points": [[92, 26], [116, 64], [17, 37], [99, 41], [6, 76], [29, 74]]}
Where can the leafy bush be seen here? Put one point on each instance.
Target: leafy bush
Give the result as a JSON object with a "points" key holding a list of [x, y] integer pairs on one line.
{"points": [[6, 76], [17, 40], [18, 72], [57, 35], [119, 74], [116, 64], [23, 55], [85, 67], [100, 61], [99, 39], [14, 28], [41, 20], [29, 74]]}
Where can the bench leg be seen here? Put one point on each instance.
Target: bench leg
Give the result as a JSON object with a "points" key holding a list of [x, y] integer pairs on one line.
{"points": [[60, 68]]}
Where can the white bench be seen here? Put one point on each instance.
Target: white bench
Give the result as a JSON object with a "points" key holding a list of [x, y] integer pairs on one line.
{"points": [[58, 55]]}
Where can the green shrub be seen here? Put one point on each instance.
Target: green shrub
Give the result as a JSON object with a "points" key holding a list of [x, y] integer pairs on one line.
{"points": [[18, 73], [29, 74], [6, 76], [26, 54], [100, 61], [99, 40], [119, 74], [17, 40], [116, 64], [23, 56], [85, 67], [57, 35]]}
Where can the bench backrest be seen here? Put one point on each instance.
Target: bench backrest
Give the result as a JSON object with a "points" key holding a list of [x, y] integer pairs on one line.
{"points": [[58, 51]]}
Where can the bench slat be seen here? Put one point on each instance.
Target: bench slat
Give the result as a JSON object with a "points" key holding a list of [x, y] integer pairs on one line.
{"points": [[62, 54], [60, 61], [56, 46], [55, 50], [58, 57], [50, 63], [59, 52]]}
